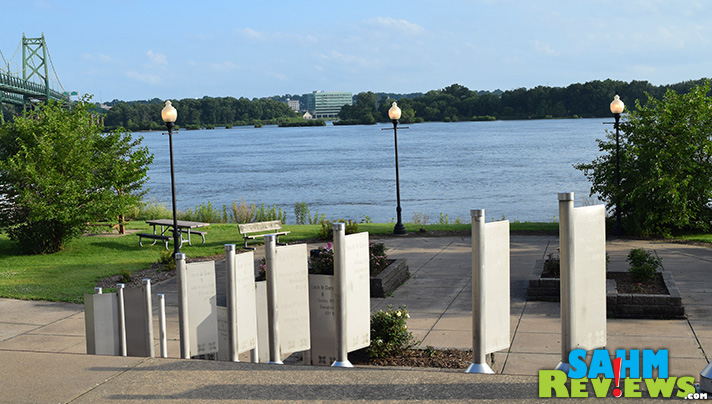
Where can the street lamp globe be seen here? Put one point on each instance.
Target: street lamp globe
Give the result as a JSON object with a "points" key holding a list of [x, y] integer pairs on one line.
{"points": [[169, 114], [617, 105], [394, 112]]}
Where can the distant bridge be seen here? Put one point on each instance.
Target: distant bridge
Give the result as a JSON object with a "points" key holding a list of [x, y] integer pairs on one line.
{"points": [[34, 85]]}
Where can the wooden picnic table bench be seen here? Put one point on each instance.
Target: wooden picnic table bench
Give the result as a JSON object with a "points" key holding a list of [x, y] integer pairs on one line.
{"points": [[166, 228], [252, 231]]}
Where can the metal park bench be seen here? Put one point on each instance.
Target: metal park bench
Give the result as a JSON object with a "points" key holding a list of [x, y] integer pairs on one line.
{"points": [[252, 231]]}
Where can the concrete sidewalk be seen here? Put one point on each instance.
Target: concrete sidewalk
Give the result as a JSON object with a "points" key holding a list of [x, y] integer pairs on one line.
{"points": [[42, 345]]}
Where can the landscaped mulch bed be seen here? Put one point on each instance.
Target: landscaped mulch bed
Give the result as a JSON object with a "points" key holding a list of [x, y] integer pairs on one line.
{"points": [[625, 284], [156, 274], [418, 358]]}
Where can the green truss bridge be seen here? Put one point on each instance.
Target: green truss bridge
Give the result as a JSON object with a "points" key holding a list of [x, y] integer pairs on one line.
{"points": [[31, 83]]}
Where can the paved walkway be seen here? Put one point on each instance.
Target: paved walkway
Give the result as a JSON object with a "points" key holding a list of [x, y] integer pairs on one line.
{"points": [[42, 344]]}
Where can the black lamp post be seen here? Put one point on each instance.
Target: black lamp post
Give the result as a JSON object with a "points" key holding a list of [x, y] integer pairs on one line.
{"points": [[395, 113], [169, 116], [617, 108]]}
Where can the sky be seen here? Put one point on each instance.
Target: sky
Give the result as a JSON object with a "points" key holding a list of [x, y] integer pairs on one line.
{"points": [[135, 50]]}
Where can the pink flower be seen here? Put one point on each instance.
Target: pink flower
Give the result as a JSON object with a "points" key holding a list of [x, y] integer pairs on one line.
{"points": [[328, 246]]}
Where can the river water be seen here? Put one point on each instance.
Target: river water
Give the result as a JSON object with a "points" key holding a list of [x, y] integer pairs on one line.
{"points": [[513, 169]]}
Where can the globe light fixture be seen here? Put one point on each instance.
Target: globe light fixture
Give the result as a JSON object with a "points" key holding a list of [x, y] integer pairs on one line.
{"points": [[169, 114], [617, 107], [394, 112]]}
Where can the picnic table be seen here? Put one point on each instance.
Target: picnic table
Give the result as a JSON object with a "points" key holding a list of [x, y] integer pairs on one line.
{"points": [[166, 232]]}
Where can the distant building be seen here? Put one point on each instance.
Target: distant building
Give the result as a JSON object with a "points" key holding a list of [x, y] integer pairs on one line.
{"points": [[327, 104], [307, 115], [293, 104]]}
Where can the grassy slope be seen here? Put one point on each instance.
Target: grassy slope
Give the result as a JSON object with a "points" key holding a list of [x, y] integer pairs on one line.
{"points": [[67, 275]]}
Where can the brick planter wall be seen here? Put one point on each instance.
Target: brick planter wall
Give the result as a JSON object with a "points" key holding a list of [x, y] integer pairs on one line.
{"points": [[617, 305], [390, 278]]}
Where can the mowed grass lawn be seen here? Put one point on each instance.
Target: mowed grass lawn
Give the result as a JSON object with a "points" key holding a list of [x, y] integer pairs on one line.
{"points": [[66, 276]]}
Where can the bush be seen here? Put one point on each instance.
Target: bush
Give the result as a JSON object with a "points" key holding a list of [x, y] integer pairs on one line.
{"points": [[665, 165], [377, 258], [327, 229], [167, 260], [149, 210], [59, 169], [301, 213], [643, 265], [321, 261], [389, 333]]}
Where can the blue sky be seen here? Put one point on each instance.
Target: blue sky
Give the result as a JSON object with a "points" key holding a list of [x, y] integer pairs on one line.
{"points": [[133, 50]]}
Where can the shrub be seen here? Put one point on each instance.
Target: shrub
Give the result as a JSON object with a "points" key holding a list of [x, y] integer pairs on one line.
{"points": [[60, 170], [643, 265], [262, 270], [552, 264], [148, 210], [301, 213], [321, 261], [327, 230], [377, 258], [389, 333], [166, 259], [665, 165], [126, 276]]}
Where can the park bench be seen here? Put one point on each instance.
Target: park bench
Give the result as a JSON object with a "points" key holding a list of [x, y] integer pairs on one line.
{"points": [[155, 238], [252, 231]]}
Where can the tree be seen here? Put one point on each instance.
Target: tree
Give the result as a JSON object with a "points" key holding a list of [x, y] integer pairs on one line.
{"points": [[58, 172], [666, 165]]}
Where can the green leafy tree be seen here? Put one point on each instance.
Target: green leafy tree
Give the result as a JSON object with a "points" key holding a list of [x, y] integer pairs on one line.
{"points": [[58, 172], [666, 164]]}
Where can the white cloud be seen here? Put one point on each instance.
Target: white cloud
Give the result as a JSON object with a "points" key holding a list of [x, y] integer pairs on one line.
{"points": [[157, 58], [251, 33], [226, 66], [143, 77], [349, 60], [96, 57], [404, 26], [544, 48]]}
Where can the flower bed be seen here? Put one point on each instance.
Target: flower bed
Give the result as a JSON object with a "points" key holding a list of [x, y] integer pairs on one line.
{"points": [[386, 274], [618, 305]]}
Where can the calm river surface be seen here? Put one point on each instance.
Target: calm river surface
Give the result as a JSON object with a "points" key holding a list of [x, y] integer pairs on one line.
{"points": [[510, 168]]}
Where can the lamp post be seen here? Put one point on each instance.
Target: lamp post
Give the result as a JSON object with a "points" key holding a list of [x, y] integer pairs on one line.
{"points": [[395, 113], [617, 108], [169, 116]]}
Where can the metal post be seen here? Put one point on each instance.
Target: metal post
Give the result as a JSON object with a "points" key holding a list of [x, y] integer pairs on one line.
{"points": [[98, 290], [182, 276], [122, 318], [176, 231], [618, 228], [567, 274], [399, 228], [272, 307], [149, 317], [479, 354], [342, 359], [231, 288], [162, 324]]}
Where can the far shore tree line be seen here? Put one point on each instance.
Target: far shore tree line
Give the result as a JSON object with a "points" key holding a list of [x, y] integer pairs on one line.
{"points": [[450, 104]]}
